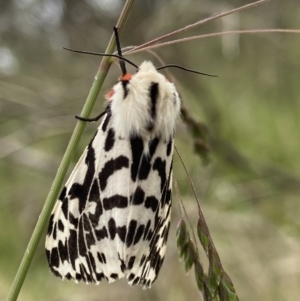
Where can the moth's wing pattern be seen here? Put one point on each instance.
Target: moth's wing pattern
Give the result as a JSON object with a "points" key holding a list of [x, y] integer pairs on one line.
{"points": [[112, 218], [151, 207], [74, 233]]}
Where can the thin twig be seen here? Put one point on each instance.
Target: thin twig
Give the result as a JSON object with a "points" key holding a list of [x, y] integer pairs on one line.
{"points": [[201, 22], [214, 34], [190, 179], [201, 215]]}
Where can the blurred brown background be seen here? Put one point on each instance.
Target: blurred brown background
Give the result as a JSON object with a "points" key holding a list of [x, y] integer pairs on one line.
{"points": [[250, 190]]}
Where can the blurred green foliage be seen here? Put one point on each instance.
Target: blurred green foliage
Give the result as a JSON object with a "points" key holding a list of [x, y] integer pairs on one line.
{"points": [[249, 191]]}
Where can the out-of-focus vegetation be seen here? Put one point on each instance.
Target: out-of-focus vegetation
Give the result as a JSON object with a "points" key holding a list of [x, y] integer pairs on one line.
{"points": [[249, 191]]}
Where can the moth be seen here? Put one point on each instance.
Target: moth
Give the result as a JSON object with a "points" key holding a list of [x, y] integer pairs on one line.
{"points": [[113, 216]]}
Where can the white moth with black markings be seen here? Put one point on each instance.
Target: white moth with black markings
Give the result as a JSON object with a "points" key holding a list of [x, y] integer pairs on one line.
{"points": [[112, 218]]}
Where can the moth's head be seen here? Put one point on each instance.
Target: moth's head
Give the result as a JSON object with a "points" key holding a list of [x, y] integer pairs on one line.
{"points": [[144, 103]]}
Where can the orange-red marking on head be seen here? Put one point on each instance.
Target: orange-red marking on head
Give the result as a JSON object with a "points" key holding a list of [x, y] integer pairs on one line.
{"points": [[126, 77]]}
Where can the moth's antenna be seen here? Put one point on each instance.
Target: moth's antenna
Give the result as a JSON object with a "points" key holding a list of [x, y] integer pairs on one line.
{"points": [[103, 54], [121, 60], [186, 69]]}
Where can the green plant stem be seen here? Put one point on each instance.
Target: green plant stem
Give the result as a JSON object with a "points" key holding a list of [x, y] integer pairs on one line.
{"points": [[62, 170]]}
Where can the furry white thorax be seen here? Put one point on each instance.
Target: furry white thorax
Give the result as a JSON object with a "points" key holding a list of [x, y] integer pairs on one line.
{"points": [[131, 115]]}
